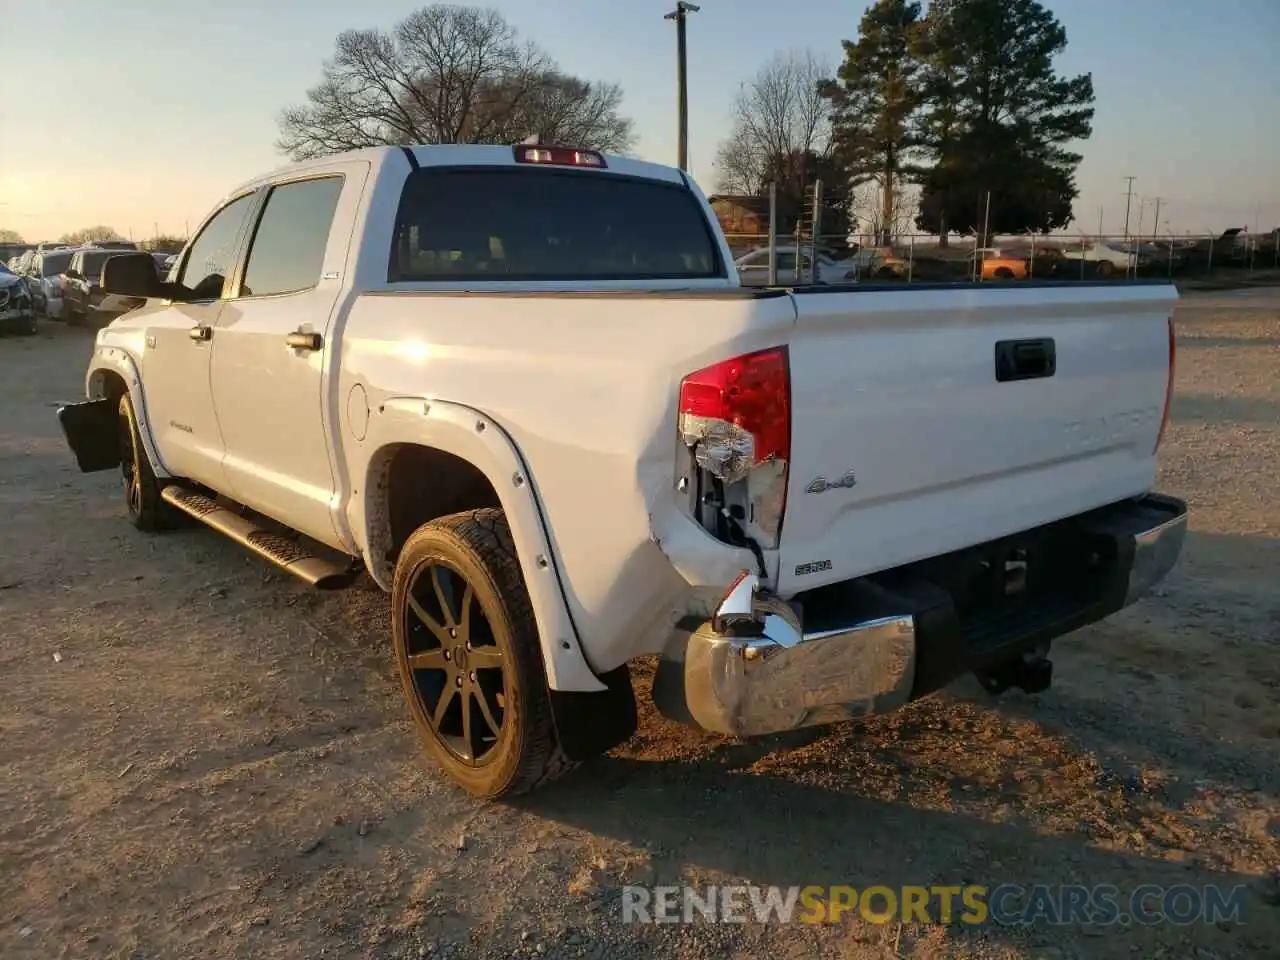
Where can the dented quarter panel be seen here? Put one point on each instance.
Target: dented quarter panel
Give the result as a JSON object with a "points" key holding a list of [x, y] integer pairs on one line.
{"points": [[586, 390]]}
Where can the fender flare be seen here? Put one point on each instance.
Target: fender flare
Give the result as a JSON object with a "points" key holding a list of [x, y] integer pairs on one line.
{"points": [[478, 439], [119, 362]]}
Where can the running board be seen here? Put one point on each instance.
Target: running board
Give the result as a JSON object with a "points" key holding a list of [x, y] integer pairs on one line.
{"points": [[294, 557]]}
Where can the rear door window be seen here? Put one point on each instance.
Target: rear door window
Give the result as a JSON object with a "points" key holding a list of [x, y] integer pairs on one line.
{"points": [[538, 224], [287, 253]]}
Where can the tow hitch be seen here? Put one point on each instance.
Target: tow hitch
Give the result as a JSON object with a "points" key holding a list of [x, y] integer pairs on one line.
{"points": [[1030, 672]]}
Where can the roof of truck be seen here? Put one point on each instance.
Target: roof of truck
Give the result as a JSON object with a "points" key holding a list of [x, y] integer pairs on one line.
{"points": [[451, 154]]}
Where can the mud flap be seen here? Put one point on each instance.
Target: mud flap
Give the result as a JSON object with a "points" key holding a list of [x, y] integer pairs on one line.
{"points": [[92, 434], [588, 724]]}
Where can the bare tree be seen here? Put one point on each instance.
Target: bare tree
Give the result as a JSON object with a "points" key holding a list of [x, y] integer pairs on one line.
{"points": [[868, 210], [781, 128], [91, 234], [448, 74]]}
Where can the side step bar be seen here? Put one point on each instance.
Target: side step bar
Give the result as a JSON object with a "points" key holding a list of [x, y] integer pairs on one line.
{"points": [[294, 557]]}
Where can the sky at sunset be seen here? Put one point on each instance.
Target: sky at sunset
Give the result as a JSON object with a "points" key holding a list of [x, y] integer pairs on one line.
{"points": [[141, 114]]}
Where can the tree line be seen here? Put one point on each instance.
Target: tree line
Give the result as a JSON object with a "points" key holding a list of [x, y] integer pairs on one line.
{"points": [[951, 107], [100, 233], [963, 106]]}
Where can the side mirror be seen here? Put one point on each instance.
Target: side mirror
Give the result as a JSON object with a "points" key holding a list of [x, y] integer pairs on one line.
{"points": [[132, 275]]}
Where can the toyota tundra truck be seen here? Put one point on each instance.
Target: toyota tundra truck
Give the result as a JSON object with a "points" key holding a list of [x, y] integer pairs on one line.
{"points": [[523, 390]]}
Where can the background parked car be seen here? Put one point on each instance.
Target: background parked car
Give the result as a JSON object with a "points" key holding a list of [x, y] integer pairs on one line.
{"points": [[17, 315], [165, 260], [1108, 257], [42, 273], [82, 294], [877, 263], [1020, 262], [753, 268]]}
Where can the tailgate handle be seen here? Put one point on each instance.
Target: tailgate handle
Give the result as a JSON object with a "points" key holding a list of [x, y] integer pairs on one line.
{"points": [[1025, 359]]}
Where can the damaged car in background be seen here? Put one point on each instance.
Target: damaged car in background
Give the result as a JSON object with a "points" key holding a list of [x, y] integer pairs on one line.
{"points": [[17, 312]]}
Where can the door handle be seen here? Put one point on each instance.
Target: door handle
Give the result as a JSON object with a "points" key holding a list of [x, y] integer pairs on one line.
{"points": [[304, 341], [200, 332], [1026, 359]]}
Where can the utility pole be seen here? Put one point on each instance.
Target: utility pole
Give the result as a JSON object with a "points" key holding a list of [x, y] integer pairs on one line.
{"points": [[1127, 201], [680, 16], [1155, 231]]}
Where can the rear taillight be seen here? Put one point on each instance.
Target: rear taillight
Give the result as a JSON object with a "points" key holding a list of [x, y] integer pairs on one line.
{"points": [[738, 413], [1168, 389], [735, 417]]}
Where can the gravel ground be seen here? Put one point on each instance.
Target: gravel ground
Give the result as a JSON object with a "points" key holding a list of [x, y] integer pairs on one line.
{"points": [[201, 758]]}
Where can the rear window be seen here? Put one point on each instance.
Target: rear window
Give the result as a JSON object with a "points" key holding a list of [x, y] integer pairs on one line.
{"points": [[55, 263], [504, 224], [93, 262]]}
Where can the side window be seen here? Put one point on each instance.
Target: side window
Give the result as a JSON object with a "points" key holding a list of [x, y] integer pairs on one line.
{"points": [[758, 259], [287, 253], [786, 261], [213, 254]]}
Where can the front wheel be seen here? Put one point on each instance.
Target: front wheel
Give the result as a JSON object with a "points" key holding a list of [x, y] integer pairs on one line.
{"points": [[1105, 268], [147, 510], [467, 651]]}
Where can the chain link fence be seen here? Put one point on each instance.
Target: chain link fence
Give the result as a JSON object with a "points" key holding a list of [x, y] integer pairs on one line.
{"points": [[923, 258], [897, 255]]}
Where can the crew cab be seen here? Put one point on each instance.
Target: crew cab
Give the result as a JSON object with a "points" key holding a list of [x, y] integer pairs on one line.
{"points": [[523, 390]]}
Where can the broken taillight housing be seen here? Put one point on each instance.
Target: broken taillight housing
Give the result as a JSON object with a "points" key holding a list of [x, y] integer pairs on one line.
{"points": [[1168, 389], [736, 418]]}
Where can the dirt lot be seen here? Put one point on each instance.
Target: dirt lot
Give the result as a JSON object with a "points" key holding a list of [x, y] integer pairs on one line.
{"points": [[200, 757]]}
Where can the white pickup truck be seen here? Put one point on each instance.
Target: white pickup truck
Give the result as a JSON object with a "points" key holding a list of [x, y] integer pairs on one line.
{"points": [[523, 389]]}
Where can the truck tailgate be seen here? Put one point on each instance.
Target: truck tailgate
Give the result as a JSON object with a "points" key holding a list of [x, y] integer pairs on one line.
{"points": [[906, 443]]}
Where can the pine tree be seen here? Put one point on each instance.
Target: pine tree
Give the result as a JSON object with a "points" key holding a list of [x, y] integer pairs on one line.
{"points": [[875, 99], [1000, 119]]}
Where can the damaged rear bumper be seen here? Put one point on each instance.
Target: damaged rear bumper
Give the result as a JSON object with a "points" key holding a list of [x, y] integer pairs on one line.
{"points": [[872, 644]]}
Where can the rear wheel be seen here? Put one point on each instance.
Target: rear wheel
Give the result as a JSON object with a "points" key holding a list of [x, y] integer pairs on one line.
{"points": [[467, 651], [1004, 273], [1104, 268], [886, 273]]}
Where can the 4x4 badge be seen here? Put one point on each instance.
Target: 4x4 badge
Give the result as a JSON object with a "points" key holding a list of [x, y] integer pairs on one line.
{"points": [[822, 484]]}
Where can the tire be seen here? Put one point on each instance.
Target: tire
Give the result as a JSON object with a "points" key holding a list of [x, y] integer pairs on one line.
{"points": [[147, 511], [467, 651], [1004, 273], [886, 273], [1105, 268]]}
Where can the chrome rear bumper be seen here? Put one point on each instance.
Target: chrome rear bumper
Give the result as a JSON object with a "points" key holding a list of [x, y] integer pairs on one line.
{"points": [[753, 669]]}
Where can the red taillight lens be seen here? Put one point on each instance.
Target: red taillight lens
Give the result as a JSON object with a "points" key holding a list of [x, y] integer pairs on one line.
{"points": [[735, 416], [1168, 390], [746, 398]]}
